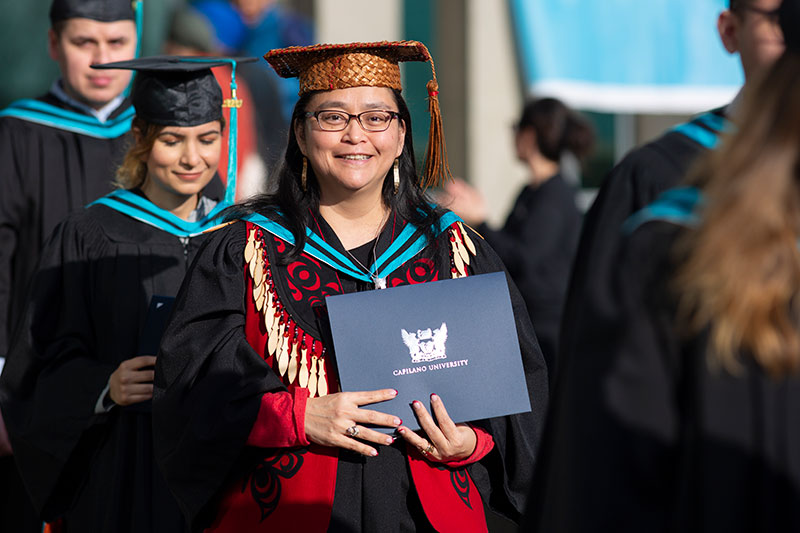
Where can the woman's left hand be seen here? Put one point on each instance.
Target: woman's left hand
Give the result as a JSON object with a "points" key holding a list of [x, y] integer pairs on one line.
{"points": [[448, 441]]}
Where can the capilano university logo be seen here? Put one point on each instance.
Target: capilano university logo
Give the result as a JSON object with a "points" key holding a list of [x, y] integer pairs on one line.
{"points": [[426, 345]]}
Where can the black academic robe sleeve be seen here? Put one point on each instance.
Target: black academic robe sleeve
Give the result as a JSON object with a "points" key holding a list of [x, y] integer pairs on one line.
{"points": [[541, 228], [209, 381], [505, 474], [537, 244], [616, 464], [12, 208], [52, 380], [634, 183]]}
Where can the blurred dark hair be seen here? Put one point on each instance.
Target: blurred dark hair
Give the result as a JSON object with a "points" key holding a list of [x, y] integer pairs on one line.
{"points": [[733, 5], [557, 127], [789, 19], [296, 205]]}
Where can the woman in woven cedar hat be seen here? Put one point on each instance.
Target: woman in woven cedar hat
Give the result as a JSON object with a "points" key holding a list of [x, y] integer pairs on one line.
{"points": [[252, 431]]}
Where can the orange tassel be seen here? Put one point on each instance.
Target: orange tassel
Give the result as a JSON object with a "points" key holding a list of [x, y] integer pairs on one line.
{"points": [[436, 171]]}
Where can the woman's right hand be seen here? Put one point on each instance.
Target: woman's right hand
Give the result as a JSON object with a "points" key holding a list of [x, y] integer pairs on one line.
{"points": [[329, 417], [130, 384]]}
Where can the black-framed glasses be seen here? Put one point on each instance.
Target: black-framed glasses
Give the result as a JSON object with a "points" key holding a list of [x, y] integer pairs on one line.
{"points": [[372, 121]]}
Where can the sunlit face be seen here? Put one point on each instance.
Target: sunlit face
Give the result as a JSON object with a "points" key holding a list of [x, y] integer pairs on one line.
{"points": [[84, 42], [182, 162], [757, 37], [352, 160]]}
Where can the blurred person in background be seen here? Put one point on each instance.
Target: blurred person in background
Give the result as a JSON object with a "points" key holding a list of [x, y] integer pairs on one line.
{"points": [[271, 26], [57, 154], [591, 312], [749, 28], [540, 235], [697, 427]]}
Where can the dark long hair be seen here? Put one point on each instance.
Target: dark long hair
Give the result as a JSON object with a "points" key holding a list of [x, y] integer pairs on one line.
{"points": [[296, 205], [557, 127]]}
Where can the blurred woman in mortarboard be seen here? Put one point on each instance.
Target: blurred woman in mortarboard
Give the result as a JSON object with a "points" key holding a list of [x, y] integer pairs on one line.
{"points": [[79, 384], [251, 429], [697, 427]]}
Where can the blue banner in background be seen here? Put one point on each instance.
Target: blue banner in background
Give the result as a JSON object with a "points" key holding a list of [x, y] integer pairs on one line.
{"points": [[626, 56]]}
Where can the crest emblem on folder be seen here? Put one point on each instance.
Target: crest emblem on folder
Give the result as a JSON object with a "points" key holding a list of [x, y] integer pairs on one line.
{"points": [[426, 345]]}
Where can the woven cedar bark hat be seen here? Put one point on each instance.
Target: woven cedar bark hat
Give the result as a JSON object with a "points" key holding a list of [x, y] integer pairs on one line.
{"points": [[325, 67]]}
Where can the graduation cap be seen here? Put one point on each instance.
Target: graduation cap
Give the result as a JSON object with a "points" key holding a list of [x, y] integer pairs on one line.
{"points": [[182, 91], [325, 67], [100, 10]]}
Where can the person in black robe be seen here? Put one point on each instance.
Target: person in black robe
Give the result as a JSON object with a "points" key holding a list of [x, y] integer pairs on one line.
{"points": [[60, 150], [539, 238], [76, 389], [592, 305], [251, 430], [692, 425], [748, 27], [57, 154]]}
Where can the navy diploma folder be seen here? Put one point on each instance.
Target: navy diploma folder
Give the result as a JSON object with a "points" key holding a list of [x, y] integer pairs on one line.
{"points": [[456, 338]]}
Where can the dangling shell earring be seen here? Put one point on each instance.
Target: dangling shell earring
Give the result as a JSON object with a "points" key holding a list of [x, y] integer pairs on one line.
{"points": [[304, 175], [396, 175]]}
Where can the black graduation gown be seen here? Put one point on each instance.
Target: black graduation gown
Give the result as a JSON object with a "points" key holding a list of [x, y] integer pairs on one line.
{"points": [[537, 245], [209, 382], [664, 443], [88, 303], [634, 183], [591, 310], [47, 173]]}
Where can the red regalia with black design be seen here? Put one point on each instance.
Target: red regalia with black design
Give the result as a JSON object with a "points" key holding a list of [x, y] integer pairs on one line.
{"points": [[247, 348]]}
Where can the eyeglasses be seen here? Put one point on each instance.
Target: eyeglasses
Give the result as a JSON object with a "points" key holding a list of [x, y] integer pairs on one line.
{"points": [[372, 121]]}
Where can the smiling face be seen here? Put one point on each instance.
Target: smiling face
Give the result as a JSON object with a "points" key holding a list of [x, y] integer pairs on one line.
{"points": [[182, 162], [351, 161], [79, 43]]}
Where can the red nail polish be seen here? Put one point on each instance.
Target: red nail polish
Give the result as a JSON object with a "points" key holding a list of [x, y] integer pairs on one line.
{"points": [[395, 392], [434, 397]]}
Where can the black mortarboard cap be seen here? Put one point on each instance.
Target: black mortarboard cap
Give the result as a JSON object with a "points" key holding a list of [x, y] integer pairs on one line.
{"points": [[789, 17], [182, 91], [100, 10], [174, 90]]}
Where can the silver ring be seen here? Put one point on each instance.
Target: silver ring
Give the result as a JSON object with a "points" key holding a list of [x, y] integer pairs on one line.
{"points": [[352, 431]]}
